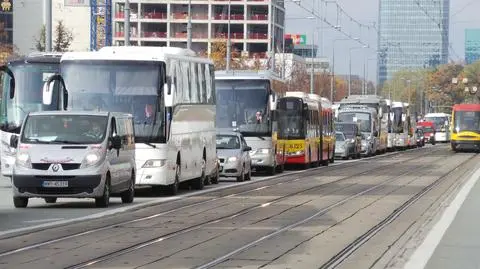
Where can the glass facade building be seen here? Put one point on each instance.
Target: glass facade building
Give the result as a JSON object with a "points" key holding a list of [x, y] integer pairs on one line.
{"points": [[412, 34], [472, 45]]}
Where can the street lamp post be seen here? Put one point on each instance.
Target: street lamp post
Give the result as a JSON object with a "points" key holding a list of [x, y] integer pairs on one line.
{"points": [[189, 25], [127, 23], [332, 79], [350, 68], [229, 41]]}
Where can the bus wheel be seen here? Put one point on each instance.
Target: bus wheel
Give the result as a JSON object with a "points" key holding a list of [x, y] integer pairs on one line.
{"points": [[173, 188], [198, 183]]}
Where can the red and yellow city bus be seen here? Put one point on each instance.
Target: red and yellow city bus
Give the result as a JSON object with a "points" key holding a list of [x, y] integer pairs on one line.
{"points": [[465, 127], [300, 122]]}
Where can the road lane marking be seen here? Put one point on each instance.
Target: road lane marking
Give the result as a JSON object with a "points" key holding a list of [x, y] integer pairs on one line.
{"points": [[42, 220], [424, 252]]}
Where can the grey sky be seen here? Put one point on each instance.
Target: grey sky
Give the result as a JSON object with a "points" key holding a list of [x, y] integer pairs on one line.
{"points": [[463, 14]]}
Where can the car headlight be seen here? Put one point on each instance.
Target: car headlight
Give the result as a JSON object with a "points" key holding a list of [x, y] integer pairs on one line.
{"points": [[91, 159], [23, 160], [154, 163], [260, 151], [232, 159], [369, 138], [352, 141]]}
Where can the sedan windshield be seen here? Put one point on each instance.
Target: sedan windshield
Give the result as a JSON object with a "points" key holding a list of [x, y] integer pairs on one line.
{"points": [[64, 129], [228, 142], [339, 137]]}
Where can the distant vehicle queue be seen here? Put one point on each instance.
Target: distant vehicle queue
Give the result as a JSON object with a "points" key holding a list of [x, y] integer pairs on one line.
{"points": [[189, 124]]}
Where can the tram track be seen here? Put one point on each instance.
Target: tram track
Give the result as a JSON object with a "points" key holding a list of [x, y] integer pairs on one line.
{"points": [[377, 168], [113, 255]]}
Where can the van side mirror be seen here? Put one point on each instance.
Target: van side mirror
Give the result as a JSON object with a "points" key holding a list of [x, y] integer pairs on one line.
{"points": [[375, 133], [65, 99], [13, 141], [9, 72], [116, 142], [247, 148]]}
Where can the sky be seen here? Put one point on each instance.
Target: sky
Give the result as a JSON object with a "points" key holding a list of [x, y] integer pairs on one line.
{"points": [[463, 15]]}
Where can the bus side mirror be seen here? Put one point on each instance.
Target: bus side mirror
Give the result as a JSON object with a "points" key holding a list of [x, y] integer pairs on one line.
{"points": [[65, 99], [48, 88], [272, 102], [168, 90], [380, 111], [9, 72], [375, 133]]}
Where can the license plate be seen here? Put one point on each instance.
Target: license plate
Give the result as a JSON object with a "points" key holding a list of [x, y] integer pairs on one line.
{"points": [[55, 184]]}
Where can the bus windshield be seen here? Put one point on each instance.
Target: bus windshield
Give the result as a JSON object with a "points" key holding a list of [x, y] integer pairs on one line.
{"points": [[397, 120], [29, 80], [119, 86], [347, 129], [291, 123], [364, 120], [243, 104], [439, 122], [467, 121]]}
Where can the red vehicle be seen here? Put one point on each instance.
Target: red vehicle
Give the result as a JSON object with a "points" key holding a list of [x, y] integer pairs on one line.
{"points": [[428, 128]]}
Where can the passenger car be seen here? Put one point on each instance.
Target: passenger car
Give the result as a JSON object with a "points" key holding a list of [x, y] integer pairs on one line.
{"points": [[234, 156], [367, 145], [344, 147], [74, 154], [420, 137], [352, 132]]}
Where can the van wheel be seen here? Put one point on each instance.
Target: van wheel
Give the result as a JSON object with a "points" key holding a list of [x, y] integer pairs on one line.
{"points": [[129, 195], [198, 183], [105, 199], [173, 188], [20, 202], [50, 200]]}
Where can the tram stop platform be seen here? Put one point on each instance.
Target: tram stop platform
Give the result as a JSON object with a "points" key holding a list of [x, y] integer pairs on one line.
{"points": [[454, 241]]}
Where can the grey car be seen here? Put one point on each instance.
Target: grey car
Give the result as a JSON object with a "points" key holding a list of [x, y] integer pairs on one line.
{"points": [[344, 147], [234, 156], [367, 145]]}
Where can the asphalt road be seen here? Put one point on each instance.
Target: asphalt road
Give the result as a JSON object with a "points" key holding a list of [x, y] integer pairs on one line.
{"points": [[352, 215]]}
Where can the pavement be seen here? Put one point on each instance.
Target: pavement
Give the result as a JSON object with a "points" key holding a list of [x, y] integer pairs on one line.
{"points": [[453, 242], [308, 219]]}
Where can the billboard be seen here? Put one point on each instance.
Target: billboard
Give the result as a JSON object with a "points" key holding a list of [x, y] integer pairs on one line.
{"points": [[297, 39], [77, 3], [7, 6]]}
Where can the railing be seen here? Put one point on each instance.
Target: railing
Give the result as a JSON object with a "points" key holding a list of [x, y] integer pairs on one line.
{"points": [[184, 16], [122, 34], [258, 36], [147, 34], [232, 35], [155, 15], [232, 17], [200, 35], [258, 17]]}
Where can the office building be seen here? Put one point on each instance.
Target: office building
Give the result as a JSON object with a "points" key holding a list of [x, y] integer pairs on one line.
{"points": [[412, 34], [164, 23], [472, 45], [6, 22]]}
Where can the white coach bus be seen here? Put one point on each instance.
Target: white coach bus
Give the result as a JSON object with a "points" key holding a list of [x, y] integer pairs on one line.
{"points": [[171, 94]]}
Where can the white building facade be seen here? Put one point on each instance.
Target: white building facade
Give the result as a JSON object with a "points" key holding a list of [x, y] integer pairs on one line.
{"points": [[28, 18], [164, 23]]}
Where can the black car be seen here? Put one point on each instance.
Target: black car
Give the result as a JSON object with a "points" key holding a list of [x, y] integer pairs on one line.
{"points": [[420, 138]]}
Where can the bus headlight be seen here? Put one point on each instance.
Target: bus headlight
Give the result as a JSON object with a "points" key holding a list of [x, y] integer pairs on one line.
{"points": [[23, 160], [9, 151], [154, 163], [90, 160]]}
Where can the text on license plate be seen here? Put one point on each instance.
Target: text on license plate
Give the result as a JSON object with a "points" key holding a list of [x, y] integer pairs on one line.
{"points": [[55, 184]]}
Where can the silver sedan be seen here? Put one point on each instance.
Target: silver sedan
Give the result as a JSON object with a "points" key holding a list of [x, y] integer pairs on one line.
{"points": [[344, 148], [234, 156]]}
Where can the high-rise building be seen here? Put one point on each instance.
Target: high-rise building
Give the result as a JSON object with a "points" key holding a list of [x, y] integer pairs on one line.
{"points": [[412, 34], [164, 23], [6, 22], [472, 45]]}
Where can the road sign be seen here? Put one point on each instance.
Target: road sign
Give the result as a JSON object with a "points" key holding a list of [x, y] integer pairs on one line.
{"points": [[297, 39]]}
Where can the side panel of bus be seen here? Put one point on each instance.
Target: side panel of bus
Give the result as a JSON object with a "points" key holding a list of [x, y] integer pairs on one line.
{"points": [[192, 140]]}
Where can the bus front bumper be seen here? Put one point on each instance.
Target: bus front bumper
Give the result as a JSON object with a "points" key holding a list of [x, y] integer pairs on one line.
{"points": [[466, 144]]}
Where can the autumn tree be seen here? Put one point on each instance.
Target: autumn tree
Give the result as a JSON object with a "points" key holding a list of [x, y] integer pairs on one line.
{"points": [[238, 61], [62, 40], [472, 73], [7, 49], [440, 89]]}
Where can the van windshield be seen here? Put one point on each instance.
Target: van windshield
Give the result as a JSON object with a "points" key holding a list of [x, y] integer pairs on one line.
{"points": [[64, 129]]}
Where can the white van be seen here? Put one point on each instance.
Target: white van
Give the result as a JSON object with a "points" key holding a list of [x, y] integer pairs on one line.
{"points": [[74, 154]]}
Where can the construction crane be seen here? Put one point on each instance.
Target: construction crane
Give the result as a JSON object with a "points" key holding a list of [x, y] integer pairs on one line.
{"points": [[100, 24]]}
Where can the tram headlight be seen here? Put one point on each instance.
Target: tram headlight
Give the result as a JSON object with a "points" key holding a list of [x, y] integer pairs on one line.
{"points": [[154, 163]]}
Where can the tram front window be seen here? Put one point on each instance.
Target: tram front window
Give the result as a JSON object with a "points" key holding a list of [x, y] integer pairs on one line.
{"points": [[397, 125], [291, 123], [29, 80], [467, 121]]}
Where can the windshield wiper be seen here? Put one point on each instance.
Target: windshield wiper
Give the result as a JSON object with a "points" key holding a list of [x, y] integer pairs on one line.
{"points": [[64, 142], [150, 144]]}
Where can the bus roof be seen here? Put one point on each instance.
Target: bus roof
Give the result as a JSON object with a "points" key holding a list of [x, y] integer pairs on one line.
{"points": [[37, 57], [245, 74], [160, 54], [436, 115], [466, 107], [366, 99], [397, 104], [364, 109]]}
